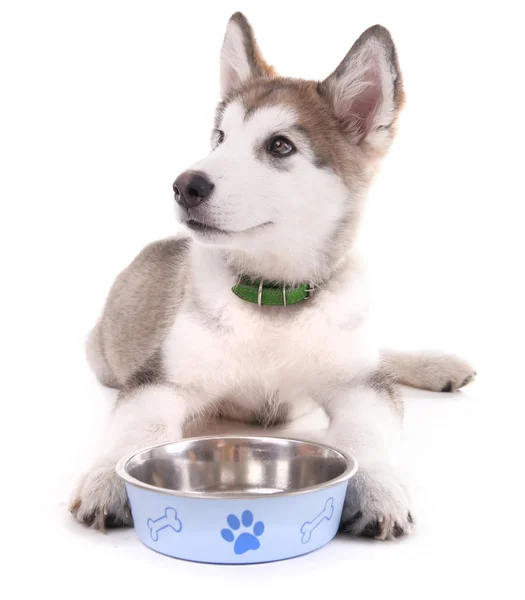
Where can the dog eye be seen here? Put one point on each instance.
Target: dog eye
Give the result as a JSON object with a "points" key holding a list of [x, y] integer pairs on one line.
{"points": [[220, 136], [280, 146]]}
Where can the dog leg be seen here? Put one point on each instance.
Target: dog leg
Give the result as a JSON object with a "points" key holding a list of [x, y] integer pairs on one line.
{"points": [[366, 423], [434, 371], [144, 416], [96, 360]]}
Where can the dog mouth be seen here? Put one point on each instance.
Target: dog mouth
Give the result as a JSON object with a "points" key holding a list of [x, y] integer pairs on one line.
{"points": [[200, 227], [207, 229]]}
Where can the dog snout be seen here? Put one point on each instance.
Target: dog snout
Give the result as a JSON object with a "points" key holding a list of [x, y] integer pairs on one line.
{"points": [[192, 188]]}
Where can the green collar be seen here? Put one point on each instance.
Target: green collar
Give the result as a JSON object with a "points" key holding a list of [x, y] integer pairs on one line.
{"points": [[271, 294]]}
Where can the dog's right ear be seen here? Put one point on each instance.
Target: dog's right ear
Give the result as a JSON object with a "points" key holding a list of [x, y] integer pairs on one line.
{"points": [[241, 58]]}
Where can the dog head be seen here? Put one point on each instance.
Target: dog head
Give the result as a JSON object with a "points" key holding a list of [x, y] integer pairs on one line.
{"points": [[282, 189]]}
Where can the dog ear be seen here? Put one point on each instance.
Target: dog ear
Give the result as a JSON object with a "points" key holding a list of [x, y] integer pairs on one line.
{"points": [[241, 58], [366, 89]]}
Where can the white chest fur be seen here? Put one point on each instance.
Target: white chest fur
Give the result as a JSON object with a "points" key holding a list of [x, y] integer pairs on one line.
{"points": [[223, 348]]}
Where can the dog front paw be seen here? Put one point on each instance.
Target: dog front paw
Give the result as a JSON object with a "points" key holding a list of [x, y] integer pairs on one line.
{"points": [[377, 506], [101, 501]]}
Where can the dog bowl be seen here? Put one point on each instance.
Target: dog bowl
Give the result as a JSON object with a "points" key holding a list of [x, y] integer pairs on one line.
{"points": [[232, 499]]}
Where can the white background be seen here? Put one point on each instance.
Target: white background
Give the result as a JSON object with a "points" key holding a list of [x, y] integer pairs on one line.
{"points": [[103, 104]]}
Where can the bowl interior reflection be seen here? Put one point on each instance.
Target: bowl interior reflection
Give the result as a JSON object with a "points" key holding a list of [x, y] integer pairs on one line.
{"points": [[237, 465]]}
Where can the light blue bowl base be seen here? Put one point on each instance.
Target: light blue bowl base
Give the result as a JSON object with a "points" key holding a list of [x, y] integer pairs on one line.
{"points": [[231, 531]]}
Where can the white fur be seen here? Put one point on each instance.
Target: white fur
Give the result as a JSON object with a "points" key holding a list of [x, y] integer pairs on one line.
{"points": [[251, 357], [150, 415], [250, 192], [235, 68], [378, 491]]}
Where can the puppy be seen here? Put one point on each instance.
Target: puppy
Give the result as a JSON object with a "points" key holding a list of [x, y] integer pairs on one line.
{"points": [[260, 312]]}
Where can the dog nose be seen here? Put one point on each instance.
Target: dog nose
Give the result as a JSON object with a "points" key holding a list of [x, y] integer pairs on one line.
{"points": [[192, 188]]}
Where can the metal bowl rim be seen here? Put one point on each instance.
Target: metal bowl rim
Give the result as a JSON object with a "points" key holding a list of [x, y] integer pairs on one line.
{"points": [[351, 468]]}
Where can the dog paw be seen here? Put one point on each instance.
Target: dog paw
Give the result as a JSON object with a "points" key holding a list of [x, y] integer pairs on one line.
{"points": [[443, 372], [452, 373], [377, 507], [101, 501]]}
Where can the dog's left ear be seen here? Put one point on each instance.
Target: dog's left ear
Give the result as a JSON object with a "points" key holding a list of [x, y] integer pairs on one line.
{"points": [[366, 89], [241, 58]]}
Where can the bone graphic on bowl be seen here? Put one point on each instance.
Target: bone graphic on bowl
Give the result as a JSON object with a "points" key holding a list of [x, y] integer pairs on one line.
{"points": [[168, 520], [308, 527]]}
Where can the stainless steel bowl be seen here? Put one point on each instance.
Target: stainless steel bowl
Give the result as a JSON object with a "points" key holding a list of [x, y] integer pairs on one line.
{"points": [[237, 499]]}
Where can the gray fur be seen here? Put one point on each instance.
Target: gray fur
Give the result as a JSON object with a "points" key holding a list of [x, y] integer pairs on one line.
{"points": [[271, 414], [139, 310], [385, 384]]}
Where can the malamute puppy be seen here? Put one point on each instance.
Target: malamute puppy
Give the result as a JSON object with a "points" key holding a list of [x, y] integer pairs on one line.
{"points": [[260, 313]]}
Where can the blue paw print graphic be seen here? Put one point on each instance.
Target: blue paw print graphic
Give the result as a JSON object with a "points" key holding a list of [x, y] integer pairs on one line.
{"points": [[246, 540]]}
